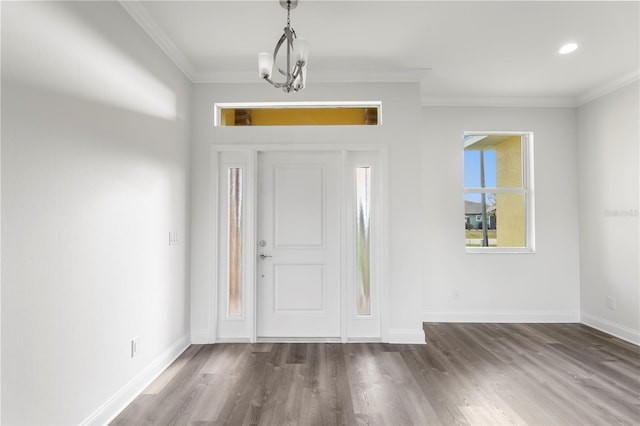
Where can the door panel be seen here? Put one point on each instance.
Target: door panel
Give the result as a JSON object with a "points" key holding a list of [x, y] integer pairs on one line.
{"points": [[299, 206], [299, 288], [299, 232]]}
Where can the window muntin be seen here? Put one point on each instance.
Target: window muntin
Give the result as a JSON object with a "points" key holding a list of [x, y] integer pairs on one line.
{"points": [[498, 200]]}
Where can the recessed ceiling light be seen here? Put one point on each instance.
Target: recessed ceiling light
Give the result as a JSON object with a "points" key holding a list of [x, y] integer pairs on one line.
{"points": [[568, 48]]}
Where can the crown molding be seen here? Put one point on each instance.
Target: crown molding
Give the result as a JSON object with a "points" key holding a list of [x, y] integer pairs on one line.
{"points": [[532, 101], [147, 23], [414, 75], [607, 88], [499, 101]]}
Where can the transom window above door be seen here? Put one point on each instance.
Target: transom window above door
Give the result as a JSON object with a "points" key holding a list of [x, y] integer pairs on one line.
{"points": [[298, 114]]}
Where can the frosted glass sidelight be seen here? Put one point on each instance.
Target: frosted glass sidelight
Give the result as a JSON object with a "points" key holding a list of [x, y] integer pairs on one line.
{"points": [[363, 241], [235, 241]]}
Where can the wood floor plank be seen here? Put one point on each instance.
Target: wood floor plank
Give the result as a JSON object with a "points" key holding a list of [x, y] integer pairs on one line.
{"points": [[208, 405], [415, 403], [473, 374], [534, 377], [433, 383], [178, 396], [338, 386], [137, 412], [241, 394], [168, 375], [297, 354]]}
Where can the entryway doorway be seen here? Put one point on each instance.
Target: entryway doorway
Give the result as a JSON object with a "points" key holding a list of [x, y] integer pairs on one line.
{"points": [[299, 237]]}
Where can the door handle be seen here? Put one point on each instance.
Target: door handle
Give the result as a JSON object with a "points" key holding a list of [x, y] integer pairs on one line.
{"points": [[264, 256]]}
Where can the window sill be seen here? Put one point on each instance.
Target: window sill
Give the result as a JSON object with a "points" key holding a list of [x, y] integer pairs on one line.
{"points": [[487, 250]]}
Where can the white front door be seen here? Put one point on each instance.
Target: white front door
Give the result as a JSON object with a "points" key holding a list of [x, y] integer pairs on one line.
{"points": [[298, 234]]}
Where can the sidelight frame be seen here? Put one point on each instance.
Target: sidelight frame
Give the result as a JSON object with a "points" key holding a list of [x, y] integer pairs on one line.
{"points": [[354, 328]]}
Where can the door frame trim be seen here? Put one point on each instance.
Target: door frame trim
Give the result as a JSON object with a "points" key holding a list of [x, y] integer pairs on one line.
{"points": [[250, 303]]}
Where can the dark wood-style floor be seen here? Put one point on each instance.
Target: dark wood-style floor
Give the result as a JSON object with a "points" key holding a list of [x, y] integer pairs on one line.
{"points": [[480, 374]]}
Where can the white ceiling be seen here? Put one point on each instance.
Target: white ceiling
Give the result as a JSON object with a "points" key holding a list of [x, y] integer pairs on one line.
{"points": [[462, 52]]}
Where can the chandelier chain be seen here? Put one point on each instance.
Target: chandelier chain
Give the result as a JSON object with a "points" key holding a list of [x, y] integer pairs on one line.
{"points": [[289, 14]]}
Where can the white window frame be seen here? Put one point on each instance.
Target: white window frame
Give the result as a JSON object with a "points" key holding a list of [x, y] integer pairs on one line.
{"points": [[526, 191]]}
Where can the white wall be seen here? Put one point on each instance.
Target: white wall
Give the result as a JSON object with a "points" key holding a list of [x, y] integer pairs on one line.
{"points": [[400, 129], [541, 287], [94, 176], [609, 178]]}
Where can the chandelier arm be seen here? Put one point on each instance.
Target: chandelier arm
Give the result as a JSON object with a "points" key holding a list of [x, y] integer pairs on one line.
{"points": [[289, 47], [287, 35], [276, 50], [289, 84], [275, 83]]}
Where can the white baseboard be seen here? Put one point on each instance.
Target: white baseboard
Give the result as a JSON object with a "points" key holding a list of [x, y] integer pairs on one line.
{"points": [[200, 337], [609, 327], [119, 401], [515, 317], [407, 336]]}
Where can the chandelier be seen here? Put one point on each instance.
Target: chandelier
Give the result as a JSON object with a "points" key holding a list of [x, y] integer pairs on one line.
{"points": [[297, 56]]}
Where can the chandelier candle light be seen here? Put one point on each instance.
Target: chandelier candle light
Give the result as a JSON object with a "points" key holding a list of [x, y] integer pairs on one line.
{"points": [[297, 50]]}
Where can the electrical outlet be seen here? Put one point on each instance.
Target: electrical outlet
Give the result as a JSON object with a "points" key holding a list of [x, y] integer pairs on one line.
{"points": [[173, 238], [611, 302], [455, 293], [135, 346]]}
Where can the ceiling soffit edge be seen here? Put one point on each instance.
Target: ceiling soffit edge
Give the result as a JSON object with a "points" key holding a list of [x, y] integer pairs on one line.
{"points": [[148, 24]]}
